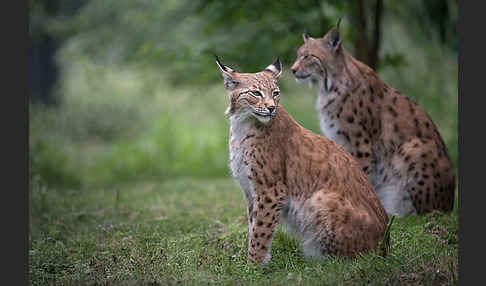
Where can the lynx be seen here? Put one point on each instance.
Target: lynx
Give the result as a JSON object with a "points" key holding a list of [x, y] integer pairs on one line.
{"points": [[288, 173], [394, 140]]}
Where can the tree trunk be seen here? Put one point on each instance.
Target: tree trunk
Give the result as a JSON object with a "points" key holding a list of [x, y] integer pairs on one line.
{"points": [[373, 53], [365, 50], [361, 42]]}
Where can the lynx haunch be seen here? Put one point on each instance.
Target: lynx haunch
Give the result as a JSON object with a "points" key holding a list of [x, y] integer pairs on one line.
{"points": [[288, 173]]}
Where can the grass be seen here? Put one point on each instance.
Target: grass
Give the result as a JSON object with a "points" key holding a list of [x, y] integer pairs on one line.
{"points": [[193, 232]]}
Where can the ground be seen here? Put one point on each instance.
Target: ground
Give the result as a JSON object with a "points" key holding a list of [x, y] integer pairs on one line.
{"points": [[194, 232]]}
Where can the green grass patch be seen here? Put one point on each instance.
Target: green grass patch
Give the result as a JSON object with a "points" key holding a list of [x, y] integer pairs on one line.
{"points": [[194, 232]]}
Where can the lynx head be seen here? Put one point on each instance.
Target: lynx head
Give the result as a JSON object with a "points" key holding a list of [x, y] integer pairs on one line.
{"points": [[319, 59], [252, 95]]}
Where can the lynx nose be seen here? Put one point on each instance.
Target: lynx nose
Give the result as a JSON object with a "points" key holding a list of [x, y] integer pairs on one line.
{"points": [[271, 108], [294, 71]]}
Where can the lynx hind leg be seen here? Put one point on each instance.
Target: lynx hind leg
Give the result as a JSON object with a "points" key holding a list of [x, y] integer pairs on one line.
{"points": [[394, 199], [310, 226], [424, 175], [331, 225], [321, 234]]}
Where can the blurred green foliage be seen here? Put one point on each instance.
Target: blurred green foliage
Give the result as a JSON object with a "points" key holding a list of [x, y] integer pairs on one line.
{"points": [[141, 97], [181, 34]]}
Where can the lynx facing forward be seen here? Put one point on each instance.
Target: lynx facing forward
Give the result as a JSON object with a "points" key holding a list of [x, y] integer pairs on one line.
{"points": [[394, 140], [287, 172]]}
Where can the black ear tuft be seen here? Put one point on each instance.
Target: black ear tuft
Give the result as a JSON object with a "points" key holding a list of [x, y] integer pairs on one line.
{"points": [[277, 64], [221, 66], [306, 36], [228, 75], [339, 22], [275, 68]]}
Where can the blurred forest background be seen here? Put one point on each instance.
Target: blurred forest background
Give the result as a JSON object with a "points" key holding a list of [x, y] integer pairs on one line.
{"points": [[126, 90]]}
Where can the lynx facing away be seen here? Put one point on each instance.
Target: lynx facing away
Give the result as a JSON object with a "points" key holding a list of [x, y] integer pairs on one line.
{"points": [[287, 172], [394, 140]]}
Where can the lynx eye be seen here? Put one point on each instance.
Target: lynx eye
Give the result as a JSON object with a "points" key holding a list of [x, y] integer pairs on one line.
{"points": [[257, 93], [276, 93], [305, 57]]}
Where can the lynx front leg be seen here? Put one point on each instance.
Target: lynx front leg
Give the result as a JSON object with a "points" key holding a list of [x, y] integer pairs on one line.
{"points": [[362, 152], [263, 220]]}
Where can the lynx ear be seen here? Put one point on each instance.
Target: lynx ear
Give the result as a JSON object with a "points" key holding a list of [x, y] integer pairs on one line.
{"points": [[306, 36], [228, 75], [275, 68], [333, 39]]}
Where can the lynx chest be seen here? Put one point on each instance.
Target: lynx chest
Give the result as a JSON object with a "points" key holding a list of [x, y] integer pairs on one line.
{"points": [[239, 170], [328, 121]]}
